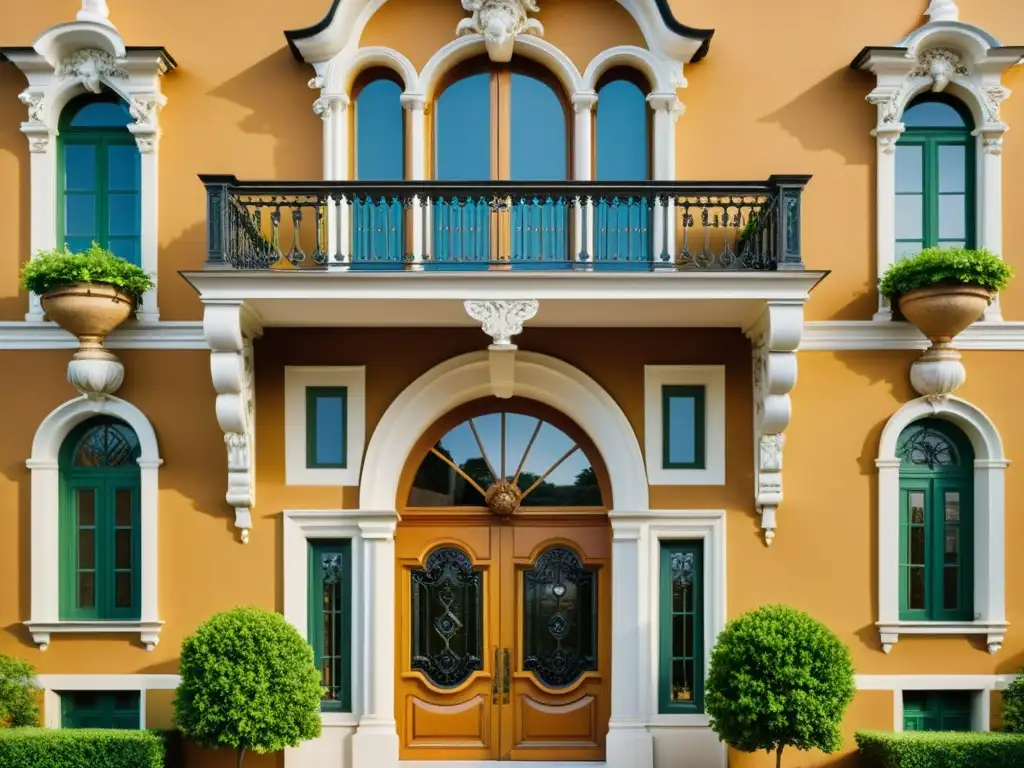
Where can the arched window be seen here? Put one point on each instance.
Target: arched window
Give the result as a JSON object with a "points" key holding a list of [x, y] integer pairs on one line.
{"points": [[100, 177], [935, 205], [377, 232], [936, 522], [546, 465], [503, 123], [622, 235], [100, 543]]}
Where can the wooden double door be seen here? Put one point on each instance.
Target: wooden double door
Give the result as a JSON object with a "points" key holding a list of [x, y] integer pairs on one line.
{"points": [[504, 639]]}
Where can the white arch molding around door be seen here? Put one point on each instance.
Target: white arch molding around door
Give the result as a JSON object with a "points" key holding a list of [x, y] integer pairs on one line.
{"points": [[537, 377], [989, 525], [45, 504]]}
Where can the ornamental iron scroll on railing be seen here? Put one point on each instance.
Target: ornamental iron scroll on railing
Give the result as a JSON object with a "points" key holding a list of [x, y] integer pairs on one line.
{"points": [[258, 225]]}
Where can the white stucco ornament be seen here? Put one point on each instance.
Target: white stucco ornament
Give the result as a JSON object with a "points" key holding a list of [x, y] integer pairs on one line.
{"points": [[501, 320], [500, 21]]}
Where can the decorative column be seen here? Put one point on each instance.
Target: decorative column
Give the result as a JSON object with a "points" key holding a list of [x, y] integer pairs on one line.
{"points": [[629, 743], [886, 135], [42, 146], [667, 110], [375, 742], [415, 105], [230, 328], [146, 130], [774, 339], [583, 103], [332, 109]]}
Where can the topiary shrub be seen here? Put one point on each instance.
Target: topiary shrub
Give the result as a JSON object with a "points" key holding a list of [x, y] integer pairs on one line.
{"points": [[921, 749], [1013, 706], [54, 269], [248, 682], [72, 748], [778, 679], [945, 266], [19, 705]]}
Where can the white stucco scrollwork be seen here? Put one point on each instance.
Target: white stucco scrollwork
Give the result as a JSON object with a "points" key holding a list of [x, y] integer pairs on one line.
{"points": [[500, 22], [502, 319]]}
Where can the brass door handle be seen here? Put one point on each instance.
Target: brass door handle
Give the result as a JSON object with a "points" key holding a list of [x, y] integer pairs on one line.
{"points": [[505, 679], [494, 676]]}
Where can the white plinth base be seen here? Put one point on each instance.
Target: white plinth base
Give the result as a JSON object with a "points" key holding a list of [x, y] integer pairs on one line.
{"points": [[375, 745], [629, 746]]}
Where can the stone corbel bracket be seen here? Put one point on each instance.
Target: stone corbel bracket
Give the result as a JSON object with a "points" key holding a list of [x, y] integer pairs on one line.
{"points": [[230, 328], [501, 320], [774, 338]]}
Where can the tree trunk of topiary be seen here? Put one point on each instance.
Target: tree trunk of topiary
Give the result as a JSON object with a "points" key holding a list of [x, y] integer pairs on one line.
{"points": [[241, 756], [778, 758]]}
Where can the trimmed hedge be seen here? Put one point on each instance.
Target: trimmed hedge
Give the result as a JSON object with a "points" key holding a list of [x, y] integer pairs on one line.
{"points": [[80, 748], [940, 750]]}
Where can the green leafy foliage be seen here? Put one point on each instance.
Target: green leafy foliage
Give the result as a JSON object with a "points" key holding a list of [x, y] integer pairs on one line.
{"points": [[940, 750], [946, 266], [778, 679], [53, 269], [18, 694], [248, 682], [52, 748], [1013, 706]]}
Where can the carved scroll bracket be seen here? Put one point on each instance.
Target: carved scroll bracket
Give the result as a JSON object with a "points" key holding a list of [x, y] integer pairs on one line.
{"points": [[501, 320], [774, 339], [230, 328]]}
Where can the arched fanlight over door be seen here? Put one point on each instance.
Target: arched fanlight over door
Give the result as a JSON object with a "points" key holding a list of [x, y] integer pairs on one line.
{"points": [[504, 461]]}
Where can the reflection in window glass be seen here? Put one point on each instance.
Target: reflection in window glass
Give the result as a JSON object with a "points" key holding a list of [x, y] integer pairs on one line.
{"points": [[683, 417], [932, 114], [540, 459], [325, 427]]}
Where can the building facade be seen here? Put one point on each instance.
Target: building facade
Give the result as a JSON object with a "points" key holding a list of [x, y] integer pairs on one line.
{"points": [[478, 373]]}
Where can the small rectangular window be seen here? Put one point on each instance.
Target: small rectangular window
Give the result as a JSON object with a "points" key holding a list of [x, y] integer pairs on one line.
{"points": [[326, 427], [683, 416], [937, 710], [100, 709], [330, 620], [681, 618]]}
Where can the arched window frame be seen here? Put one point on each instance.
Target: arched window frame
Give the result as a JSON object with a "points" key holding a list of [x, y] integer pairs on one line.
{"points": [[102, 139], [989, 573], [44, 466]]}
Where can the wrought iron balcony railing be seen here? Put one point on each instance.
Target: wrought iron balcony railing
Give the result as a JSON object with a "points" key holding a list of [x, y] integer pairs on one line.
{"points": [[370, 225]]}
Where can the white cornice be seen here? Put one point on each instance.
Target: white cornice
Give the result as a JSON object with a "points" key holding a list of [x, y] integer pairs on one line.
{"points": [[161, 335]]}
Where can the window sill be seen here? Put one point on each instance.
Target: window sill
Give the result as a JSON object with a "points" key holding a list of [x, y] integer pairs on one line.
{"points": [[889, 631], [148, 631], [339, 719], [689, 720]]}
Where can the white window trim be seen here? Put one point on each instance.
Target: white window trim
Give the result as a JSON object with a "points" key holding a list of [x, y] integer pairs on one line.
{"points": [[907, 70], [707, 526], [981, 685], [712, 378], [989, 525], [45, 504], [54, 685], [300, 528], [75, 58], [296, 380]]}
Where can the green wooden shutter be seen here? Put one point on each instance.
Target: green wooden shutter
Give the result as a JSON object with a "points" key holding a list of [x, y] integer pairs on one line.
{"points": [[100, 709], [937, 710], [681, 621], [330, 620]]}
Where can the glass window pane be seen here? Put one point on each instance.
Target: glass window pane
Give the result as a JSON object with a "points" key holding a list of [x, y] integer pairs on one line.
{"points": [[559, 618], [952, 168], [682, 632], [79, 168], [932, 114], [80, 216], [123, 508], [908, 248], [952, 506], [124, 168], [126, 248], [123, 548], [87, 548], [950, 588], [539, 135], [917, 507], [86, 589], [916, 597], [330, 430], [380, 132], [622, 140], [463, 130], [909, 168], [917, 545], [952, 217], [909, 217], [86, 507], [952, 545], [124, 214], [102, 114], [123, 589], [682, 680], [683, 427]]}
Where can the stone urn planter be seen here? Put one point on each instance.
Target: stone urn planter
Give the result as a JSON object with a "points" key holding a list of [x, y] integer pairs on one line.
{"points": [[88, 294], [943, 291], [90, 311]]}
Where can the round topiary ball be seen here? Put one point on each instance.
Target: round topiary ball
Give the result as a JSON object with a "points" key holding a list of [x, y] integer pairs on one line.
{"points": [[248, 682], [779, 678]]}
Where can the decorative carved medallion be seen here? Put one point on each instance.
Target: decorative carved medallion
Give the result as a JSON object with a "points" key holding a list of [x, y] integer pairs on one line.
{"points": [[500, 22], [91, 65], [503, 498], [502, 319], [940, 65]]}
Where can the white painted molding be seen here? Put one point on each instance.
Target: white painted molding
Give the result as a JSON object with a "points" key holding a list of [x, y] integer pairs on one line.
{"points": [[132, 335], [501, 320], [989, 526], [839, 335], [230, 328], [774, 340], [712, 378], [958, 58], [85, 56], [45, 564], [537, 377], [296, 380]]}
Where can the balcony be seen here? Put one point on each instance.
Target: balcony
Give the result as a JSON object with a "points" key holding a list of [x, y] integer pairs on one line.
{"points": [[400, 253]]}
